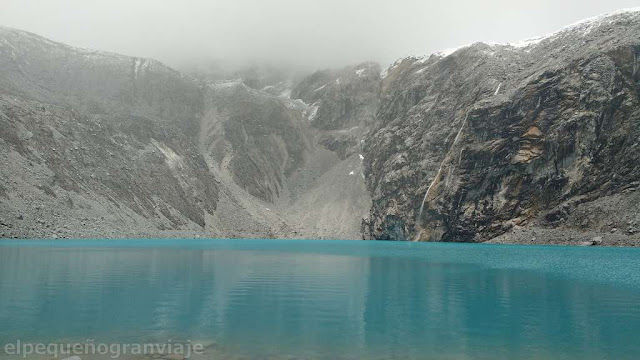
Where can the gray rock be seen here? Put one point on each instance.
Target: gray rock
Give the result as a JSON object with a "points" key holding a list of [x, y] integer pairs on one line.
{"points": [[459, 147], [596, 241]]}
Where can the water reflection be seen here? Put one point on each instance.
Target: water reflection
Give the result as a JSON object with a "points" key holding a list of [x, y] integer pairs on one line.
{"points": [[311, 304]]}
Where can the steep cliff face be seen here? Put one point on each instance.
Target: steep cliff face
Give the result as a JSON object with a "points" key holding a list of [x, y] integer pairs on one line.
{"points": [[471, 144], [341, 99]]}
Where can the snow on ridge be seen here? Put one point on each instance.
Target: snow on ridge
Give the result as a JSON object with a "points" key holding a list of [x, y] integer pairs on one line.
{"points": [[384, 72], [600, 19], [584, 26], [446, 52]]}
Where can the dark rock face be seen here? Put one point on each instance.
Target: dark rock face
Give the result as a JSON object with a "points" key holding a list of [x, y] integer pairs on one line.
{"points": [[470, 145]]}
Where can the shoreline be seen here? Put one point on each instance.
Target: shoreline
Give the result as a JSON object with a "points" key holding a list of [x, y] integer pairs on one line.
{"points": [[517, 236]]}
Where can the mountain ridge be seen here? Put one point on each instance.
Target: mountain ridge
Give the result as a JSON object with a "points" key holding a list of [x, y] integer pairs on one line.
{"points": [[454, 146]]}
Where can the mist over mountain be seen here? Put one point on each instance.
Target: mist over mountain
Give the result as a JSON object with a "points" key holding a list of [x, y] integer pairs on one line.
{"points": [[299, 34], [533, 141]]}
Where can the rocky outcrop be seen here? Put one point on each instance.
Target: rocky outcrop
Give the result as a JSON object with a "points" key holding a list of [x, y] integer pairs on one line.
{"points": [[341, 99], [342, 105], [470, 145]]}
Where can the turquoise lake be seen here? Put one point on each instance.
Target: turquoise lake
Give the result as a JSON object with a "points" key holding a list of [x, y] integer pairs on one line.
{"points": [[259, 299]]}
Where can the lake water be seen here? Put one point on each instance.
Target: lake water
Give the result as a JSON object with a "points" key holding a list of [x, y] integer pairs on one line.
{"points": [[326, 299]]}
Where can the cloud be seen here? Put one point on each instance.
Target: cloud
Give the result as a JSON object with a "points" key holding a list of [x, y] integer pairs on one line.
{"points": [[307, 33]]}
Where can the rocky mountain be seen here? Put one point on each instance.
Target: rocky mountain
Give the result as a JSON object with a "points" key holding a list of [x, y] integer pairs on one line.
{"points": [[99, 144], [498, 139], [535, 142], [96, 143]]}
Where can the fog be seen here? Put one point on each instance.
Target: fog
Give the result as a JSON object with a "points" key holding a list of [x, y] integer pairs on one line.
{"points": [[302, 33]]}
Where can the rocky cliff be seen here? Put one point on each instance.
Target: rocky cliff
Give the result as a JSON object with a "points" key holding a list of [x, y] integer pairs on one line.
{"points": [[494, 139], [535, 142]]}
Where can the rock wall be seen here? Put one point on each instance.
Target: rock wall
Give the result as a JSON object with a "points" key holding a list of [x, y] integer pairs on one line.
{"points": [[470, 145]]}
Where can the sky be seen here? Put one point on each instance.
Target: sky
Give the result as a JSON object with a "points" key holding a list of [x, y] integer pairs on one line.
{"points": [[304, 33]]}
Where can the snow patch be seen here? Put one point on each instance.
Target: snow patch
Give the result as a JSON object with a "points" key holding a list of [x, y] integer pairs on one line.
{"points": [[420, 71], [172, 159], [225, 84], [527, 43], [351, 173], [361, 72], [498, 89], [447, 52], [384, 73], [361, 157], [137, 66]]}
